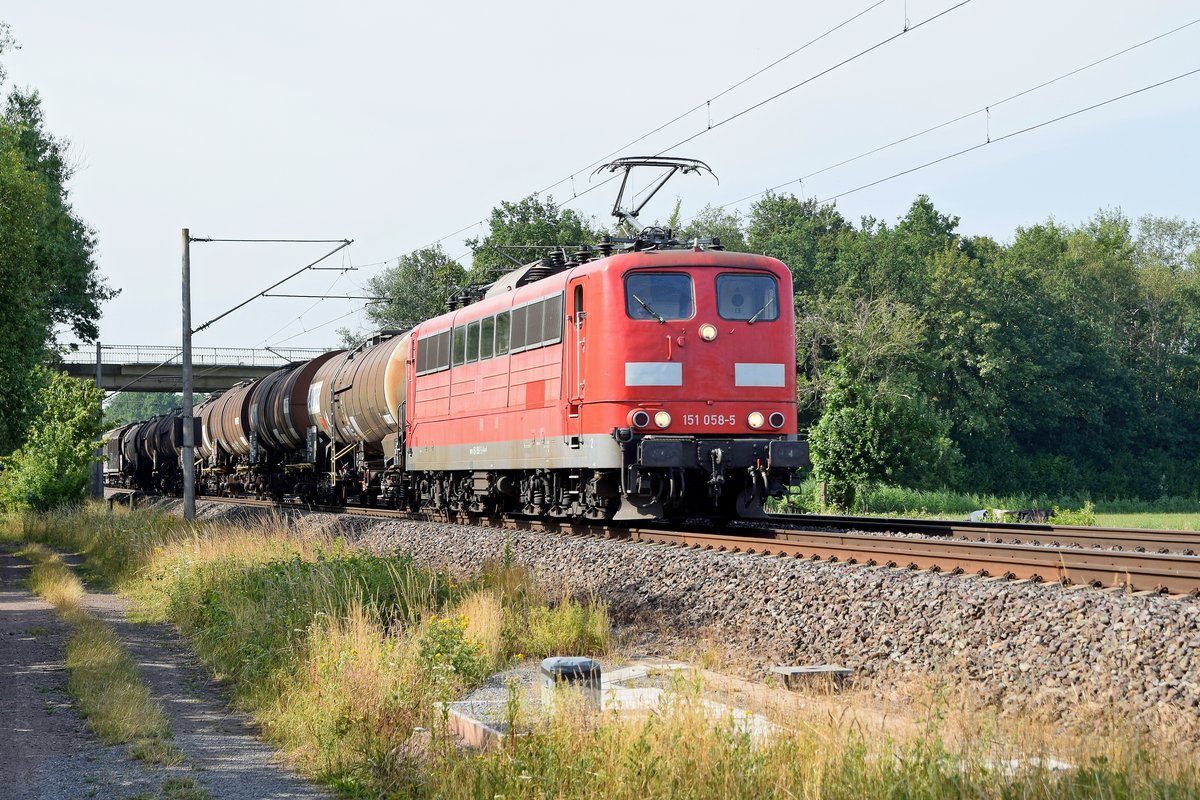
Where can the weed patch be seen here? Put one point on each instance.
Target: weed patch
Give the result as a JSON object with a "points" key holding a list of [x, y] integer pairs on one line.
{"points": [[106, 686], [183, 789], [683, 750], [1078, 516], [345, 658]]}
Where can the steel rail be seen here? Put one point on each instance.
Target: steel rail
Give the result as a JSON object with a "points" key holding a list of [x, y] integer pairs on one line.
{"points": [[1170, 573], [1010, 532]]}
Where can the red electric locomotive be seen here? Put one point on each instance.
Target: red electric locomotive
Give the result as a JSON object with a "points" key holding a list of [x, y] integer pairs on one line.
{"points": [[640, 384]]}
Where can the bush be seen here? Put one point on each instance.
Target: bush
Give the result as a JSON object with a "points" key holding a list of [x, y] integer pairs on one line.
{"points": [[51, 468], [445, 648], [1081, 516], [863, 438]]}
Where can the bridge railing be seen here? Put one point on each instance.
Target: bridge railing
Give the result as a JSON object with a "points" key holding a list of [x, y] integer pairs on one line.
{"points": [[150, 354]]}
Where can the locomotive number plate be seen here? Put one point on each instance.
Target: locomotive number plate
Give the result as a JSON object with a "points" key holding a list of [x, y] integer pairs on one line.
{"points": [[710, 419]]}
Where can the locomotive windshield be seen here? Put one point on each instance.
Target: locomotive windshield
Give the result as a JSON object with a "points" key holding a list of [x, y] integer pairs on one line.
{"points": [[659, 296], [753, 298]]}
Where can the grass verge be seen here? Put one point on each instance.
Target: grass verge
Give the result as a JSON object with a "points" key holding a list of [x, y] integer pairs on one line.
{"points": [[102, 678], [1174, 522]]}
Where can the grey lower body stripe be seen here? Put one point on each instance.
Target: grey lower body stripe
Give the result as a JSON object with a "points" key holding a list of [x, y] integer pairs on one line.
{"points": [[598, 451]]}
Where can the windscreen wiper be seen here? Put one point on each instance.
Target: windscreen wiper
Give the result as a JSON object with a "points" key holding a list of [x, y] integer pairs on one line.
{"points": [[758, 313], [661, 319]]}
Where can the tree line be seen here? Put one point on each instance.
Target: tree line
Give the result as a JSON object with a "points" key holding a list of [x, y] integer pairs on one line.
{"points": [[1063, 361]]}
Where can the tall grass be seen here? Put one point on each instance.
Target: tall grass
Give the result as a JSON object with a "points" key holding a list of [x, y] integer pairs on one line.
{"points": [[818, 751], [52, 580]]}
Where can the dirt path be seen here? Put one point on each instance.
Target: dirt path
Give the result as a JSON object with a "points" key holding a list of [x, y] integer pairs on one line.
{"points": [[218, 741], [47, 751]]}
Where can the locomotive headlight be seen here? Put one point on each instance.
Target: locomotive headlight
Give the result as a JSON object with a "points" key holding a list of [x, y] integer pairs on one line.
{"points": [[639, 419], [776, 420], [708, 331], [755, 420], [662, 419]]}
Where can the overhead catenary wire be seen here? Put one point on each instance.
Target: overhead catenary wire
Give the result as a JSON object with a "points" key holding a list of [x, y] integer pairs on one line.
{"points": [[793, 87], [822, 73], [708, 102], [692, 110], [907, 27], [990, 140], [269, 241], [343, 244], [315, 327], [329, 296], [303, 313], [994, 140], [986, 109]]}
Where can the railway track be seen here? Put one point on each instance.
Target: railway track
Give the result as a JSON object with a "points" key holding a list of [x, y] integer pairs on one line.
{"points": [[1133, 539], [1016, 557]]}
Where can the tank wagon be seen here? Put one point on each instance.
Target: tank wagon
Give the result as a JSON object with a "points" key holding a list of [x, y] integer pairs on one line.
{"points": [[634, 385], [145, 455]]}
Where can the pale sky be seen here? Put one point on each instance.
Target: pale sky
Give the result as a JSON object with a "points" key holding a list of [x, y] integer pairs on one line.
{"points": [[395, 124]]}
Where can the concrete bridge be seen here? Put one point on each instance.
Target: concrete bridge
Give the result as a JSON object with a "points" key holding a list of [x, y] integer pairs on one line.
{"points": [[158, 368]]}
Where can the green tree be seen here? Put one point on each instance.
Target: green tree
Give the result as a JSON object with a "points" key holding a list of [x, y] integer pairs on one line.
{"points": [[138, 406], [716, 223], [864, 436], [519, 233], [48, 275], [804, 235], [24, 321], [1170, 242], [416, 288], [872, 343], [51, 467]]}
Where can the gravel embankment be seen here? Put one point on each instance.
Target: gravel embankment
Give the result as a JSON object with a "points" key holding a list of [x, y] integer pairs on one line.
{"points": [[1063, 651]]}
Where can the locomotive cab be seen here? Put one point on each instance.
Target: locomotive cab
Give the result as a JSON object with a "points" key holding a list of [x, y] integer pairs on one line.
{"points": [[690, 369]]}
